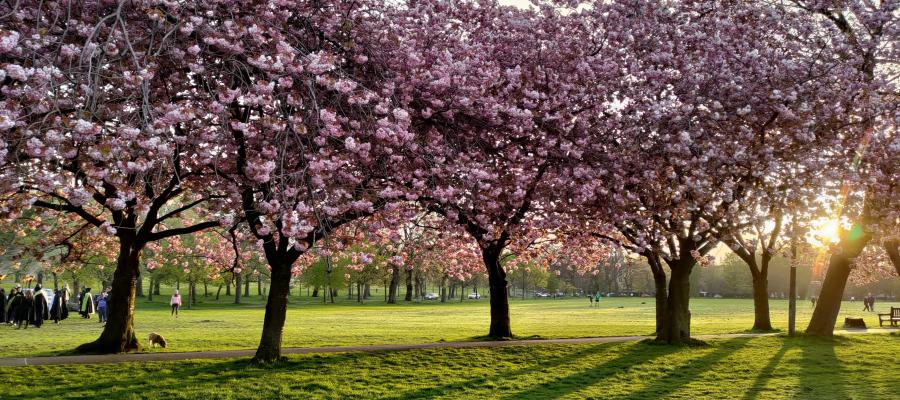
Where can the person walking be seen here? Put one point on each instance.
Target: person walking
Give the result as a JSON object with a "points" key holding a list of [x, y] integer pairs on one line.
{"points": [[87, 304], [41, 309], [24, 309], [175, 302], [12, 305], [101, 307], [597, 300], [59, 311]]}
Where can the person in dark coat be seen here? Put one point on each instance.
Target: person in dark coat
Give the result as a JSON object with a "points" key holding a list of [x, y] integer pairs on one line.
{"points": [[2, 306], [12, 303], [24, 308], [87, 304], [41, 310], [59, 311]]}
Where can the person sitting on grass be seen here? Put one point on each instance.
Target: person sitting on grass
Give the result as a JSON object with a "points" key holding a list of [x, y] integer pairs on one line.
{"points": [[175, 302]]}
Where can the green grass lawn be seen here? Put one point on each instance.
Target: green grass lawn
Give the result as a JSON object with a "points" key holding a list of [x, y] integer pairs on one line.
{"points": [[857, 367], [219, 326]]}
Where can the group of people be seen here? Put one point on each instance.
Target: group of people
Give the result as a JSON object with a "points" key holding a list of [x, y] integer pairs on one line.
{"points": [[29, 307], [88, 304], [869, 302], [595, 299]]}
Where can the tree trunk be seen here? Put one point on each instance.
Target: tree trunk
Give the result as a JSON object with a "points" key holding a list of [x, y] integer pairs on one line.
{"points": [[150, 292], [394, 285], [139, 287], [259, 285], [659, 282], [892, 247], [444, 289], [829, 304], [761, 319], [315, 292], [118, 334], [205, 288], [676, 324], [55, 282], [190, 302], [269, 349], [367, 291], [218, 291], [409, 285], [359, 292], [237, 290], [227, 288], [156, 288], [247, 286], [500, 327]]}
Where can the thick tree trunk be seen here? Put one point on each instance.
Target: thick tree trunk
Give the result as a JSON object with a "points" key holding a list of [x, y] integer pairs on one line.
{"points": [[139, 287], [444, 289], [237, 290], [829, 304], [659, 281], [500, 327], [269, 349], [367, 291], [228, 288], [409, 285], [156, 288], [676, 324], [247, 286], [55, 282], [761, 319], [205, 288], [259, 285], [892, 247], [394, 285], [118, 334], [315, 292], [218, 292]]}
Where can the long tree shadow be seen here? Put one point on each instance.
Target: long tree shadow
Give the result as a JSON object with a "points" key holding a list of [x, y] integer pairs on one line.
{"points": [[765, 374], [689, 372], [429, 392], [822, 373], [638, 354]]}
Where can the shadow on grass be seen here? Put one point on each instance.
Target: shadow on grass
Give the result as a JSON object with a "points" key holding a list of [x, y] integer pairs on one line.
{"points": [[690, 371], [430, 392], [640, 353]]}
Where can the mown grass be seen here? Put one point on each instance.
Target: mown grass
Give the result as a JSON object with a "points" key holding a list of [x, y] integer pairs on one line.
{"points": [[777, 367], [219, 326]]}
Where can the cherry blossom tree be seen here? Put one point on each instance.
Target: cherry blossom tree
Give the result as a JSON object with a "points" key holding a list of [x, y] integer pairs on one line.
{"points": [[95, 124], [494, 111]]}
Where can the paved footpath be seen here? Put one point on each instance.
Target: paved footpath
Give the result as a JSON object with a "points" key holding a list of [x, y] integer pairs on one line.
{"points": [[198, 355]]}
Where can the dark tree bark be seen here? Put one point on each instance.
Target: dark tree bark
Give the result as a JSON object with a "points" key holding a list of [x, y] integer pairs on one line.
{"points": [[828, 305], [237, 290], [269, 349], [218, 292], [394, 285], [139, 287], [676, 324], [761, 319], [156, 288], [500, 326], [150, 292], [315, 292], [118, 334], [892, 247], [659, 282], [409, 285], [247, 286]]}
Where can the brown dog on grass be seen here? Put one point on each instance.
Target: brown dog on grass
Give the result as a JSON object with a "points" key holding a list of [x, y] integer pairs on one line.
{"points": [[157, 339]]}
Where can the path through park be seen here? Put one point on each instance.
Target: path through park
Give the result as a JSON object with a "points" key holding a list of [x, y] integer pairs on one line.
{"points": [[144, 357]]}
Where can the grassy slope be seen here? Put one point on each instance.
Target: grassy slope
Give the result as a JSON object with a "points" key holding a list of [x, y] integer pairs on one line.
{"points": [[760, 368], [212, 326]]}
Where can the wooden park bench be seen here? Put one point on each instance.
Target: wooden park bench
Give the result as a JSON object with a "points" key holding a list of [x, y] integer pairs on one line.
{"points": [[893, 317]]}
